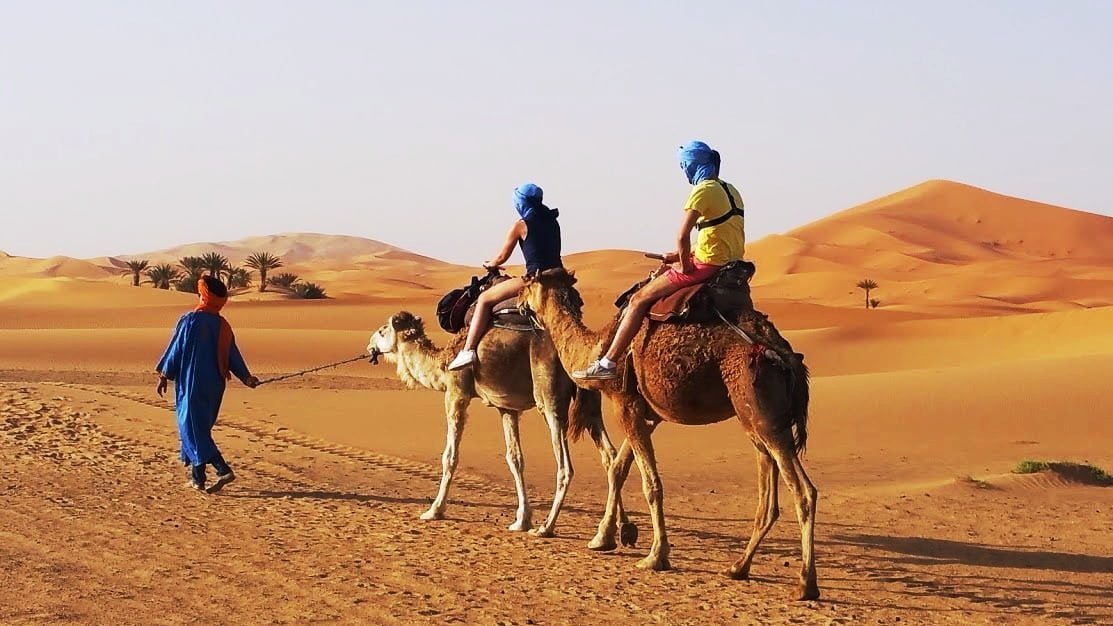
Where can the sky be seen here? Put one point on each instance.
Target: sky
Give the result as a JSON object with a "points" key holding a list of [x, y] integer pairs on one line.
{"points": [[134, 126]]}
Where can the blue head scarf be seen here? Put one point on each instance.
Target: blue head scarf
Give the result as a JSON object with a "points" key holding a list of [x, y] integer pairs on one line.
{"points": [[698, 161], [527, 199]]}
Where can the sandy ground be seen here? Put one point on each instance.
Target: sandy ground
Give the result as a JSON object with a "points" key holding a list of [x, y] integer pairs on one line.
{"points": [[920, 412]]}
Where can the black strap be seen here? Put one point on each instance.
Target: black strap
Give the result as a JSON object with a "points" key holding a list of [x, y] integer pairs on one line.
{"points": [[734, 210]]}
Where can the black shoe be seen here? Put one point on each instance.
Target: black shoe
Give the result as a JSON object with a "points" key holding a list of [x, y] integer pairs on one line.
{"points": [[221, 481]]}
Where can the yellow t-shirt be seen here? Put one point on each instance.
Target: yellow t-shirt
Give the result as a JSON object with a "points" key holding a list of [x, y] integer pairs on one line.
{"points": [[717, 245]]}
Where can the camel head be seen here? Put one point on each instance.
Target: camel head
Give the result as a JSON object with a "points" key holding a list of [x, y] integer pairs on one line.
{"points": [[550, 288], [402, 327]]}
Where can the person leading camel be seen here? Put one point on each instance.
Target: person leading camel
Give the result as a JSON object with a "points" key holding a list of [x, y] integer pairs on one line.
{"points": [[537, 233], [721, 239], [201, 356]]}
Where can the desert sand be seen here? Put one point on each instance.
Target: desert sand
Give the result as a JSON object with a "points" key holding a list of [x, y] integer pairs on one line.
{"points": [[992, 344]]}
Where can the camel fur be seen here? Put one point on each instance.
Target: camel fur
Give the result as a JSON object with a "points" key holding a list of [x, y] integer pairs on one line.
{"points": [[516, 371], [691, 374]]}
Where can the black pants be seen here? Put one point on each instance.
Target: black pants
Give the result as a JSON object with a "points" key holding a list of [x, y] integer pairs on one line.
{"points": [[218, 463]]}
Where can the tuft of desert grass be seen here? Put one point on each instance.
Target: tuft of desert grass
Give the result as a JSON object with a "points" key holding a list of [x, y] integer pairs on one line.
{"points": [[1084, 472]]}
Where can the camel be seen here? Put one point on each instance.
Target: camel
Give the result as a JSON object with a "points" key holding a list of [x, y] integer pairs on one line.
{"points": [[516, 371], [690, 374]]}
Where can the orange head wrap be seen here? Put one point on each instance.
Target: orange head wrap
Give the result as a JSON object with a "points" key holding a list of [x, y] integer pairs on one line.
{"points": [[212, 303]]}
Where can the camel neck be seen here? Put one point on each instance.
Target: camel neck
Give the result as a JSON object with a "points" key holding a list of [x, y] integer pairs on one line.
{"points": [[576, 344], [420, 364]]}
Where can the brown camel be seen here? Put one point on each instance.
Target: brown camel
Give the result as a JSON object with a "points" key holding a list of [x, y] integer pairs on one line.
{"points": [[691, 374], [517, 370]]}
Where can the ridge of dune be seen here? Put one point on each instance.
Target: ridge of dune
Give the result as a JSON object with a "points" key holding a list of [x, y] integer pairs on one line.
{"points": [[293, 248], [942, 244], [50, 267], [960, 222]]}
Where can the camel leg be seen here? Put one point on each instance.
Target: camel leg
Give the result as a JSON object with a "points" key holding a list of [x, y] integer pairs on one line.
{"points": [[768, 510], [605, 538], [614, 514], [609, 456], [514, 458], [558, 430], [639, 433], [805, 496], [456, 413]]}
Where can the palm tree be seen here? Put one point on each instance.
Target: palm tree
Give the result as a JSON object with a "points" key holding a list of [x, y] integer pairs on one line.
{"points": [[867, 285], [216, 264], [160, 276], [194, 266], [309, 291], [263, 262], [135, 268], [285, 280], [239, 278]]}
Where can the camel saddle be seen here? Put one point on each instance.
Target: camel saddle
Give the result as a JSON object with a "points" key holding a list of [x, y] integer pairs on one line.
{"points": [[727, 292], [456, 308], [505, 315]]}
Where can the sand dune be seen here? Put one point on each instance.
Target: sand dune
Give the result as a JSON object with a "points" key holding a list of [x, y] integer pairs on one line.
{"points": [[941, 244], [53, 267], [993, 344], [292, 247]]}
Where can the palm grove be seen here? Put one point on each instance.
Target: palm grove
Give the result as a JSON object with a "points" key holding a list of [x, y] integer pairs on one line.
{"points": [[184, 275]]}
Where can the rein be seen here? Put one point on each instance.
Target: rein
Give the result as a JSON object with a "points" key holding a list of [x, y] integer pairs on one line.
{"points": [[361, 356]]}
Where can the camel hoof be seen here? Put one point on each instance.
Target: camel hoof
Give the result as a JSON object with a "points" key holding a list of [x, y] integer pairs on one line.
{"points": [[629, 534], [542, 532], [738, 573], [432, 514], [519, 527], [809, 591], [657, 564], [601, 543]]}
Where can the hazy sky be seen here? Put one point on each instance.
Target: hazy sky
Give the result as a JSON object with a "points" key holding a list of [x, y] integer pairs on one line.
{"points": [[131, 126]]}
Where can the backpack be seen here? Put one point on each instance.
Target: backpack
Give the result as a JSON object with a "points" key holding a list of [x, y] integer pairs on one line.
{"points": [[452, 309], [454, 305]]}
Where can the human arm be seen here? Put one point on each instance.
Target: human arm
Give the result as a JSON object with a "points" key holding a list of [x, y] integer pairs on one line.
{"points": [[170, 363], [517, 231], [238, 367], [684, 242]]}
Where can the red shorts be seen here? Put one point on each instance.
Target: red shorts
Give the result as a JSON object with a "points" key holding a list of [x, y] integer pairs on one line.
{"points": [[701, 273]]}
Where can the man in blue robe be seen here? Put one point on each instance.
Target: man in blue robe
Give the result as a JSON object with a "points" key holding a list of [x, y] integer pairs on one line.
{"points": [[201, 357]]}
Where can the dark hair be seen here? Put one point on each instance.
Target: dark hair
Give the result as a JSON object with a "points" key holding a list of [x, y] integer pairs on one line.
{"points": [[216, 287]]}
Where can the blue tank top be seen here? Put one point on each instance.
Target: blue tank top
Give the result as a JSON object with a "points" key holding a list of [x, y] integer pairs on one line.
{"points": [[541, 247]]}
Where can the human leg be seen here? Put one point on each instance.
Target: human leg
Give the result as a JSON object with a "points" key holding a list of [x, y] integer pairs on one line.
{"points": [[481, 319]]}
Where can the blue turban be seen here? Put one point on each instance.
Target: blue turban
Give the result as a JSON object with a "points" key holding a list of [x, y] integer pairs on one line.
{"points": [[527, 199], [698, 161]]}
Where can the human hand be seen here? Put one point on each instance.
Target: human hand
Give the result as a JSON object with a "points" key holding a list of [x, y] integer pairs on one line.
{"points": [[686, 265], [252, 382], [161, 388], [670, 257]]}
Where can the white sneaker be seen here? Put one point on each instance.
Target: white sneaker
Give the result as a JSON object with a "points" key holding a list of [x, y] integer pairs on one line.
{"points": [[596, 371], [464, 359]]}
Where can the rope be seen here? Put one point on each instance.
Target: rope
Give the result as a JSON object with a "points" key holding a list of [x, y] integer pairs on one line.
{"points": [[312, 369], [741, 333]]}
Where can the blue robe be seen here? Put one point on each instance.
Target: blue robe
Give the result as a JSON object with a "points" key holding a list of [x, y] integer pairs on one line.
{"points": [[191, 362]]}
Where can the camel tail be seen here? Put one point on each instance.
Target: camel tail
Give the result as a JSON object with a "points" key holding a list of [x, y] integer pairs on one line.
{"points": [[586, 414], [798, 397]]}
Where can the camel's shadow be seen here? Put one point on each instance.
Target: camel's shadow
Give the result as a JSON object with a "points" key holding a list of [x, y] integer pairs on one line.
{"points": [[928, 551], [334, 495]]}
